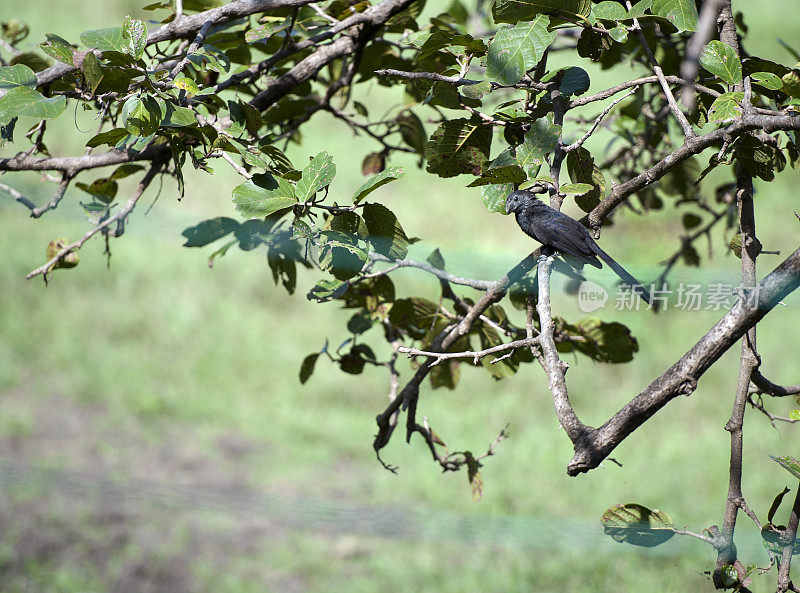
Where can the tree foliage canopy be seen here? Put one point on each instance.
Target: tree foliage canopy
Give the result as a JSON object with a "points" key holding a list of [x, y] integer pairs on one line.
{"points": [[232, 85]]}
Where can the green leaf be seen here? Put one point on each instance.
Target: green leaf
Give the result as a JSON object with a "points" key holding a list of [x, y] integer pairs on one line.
{"points": [[376, 181], [269, 195], [327, 290], [318, 174], [575, 81], [110, 39], [618, 34], [33, 60], [790, 464], [721, 60], [412, 131], [92, 71], [791, 84], [307, 368], [141, 116], [776, 502], [639, 9], [17, 75], [681, 13], [414, 315], [459, 146], [609, 342], [581, 169], [134, 35], [187, 84], [177, 117], [609, 11], [476, 91], [541, 139], [691, 220], [500, 175], [104, 190], [211, 58], [575, 188], [111, 137], [794, 415], [515, 50], [209, 231], [22, 100], [726, 106], [637, 525], [265, 31], [768, 80], [385, 233], [512, 11], [494, 196], [58, 48]]}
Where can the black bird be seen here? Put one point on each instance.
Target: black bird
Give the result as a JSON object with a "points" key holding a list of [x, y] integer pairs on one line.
{"points": [[559, 232]]}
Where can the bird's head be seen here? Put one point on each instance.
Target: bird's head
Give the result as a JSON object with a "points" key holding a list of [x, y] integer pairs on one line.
{"points": [[516, 200]]}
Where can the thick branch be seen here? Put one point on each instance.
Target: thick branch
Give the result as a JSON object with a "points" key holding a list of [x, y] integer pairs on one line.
{"points": [[693, 146], [186, 26], [553, 366], [748, 362], [75, 164], [344, 46], [682, 377]]}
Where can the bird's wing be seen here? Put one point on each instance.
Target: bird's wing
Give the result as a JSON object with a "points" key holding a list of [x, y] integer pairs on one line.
{"points": [[568, 236]]}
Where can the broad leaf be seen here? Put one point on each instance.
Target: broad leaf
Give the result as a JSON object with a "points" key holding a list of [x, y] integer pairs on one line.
{"points": [[307, 368], [494, 196], [385, 233], [265, 31], [515, 50], [681, 13], [176, 117], [327, 290], [512, 11], [92, 71], [609, 10], [721, 60], [134, 35], [269, 195], [790, 464], [500, 175], [637, 525], [376, 181], [726, 106], [581, 169], [317, 174], [58, 48], [768, 80], [209, 231], [22, 100], [110, 39], [459, 146], [17, 75]]}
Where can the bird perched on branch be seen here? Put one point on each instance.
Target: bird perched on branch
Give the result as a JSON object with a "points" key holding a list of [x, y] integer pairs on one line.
{"points": [[559, 232]]}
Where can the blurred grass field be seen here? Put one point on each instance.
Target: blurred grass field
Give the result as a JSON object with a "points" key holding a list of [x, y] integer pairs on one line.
{"points": [[123, 391]]}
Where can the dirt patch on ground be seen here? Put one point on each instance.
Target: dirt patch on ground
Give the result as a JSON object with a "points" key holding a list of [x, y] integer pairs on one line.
{"points": [[87, 505]]}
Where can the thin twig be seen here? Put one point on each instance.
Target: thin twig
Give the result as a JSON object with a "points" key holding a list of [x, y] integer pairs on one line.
{"points": [[119, 215]]}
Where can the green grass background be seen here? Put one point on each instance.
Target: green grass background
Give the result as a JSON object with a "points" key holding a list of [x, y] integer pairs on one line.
{"points": [[168, 358]]}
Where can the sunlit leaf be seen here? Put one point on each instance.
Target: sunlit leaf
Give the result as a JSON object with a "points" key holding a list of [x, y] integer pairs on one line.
{"points": [[637, 525], [515, 50], [721, 60]]}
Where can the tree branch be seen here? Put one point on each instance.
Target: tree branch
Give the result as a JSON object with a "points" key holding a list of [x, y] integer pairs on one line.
{"points": [[682, 377], [119, 215]]}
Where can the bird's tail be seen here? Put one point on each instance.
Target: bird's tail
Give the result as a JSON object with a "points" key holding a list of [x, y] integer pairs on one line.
{"points": [[635, 285]]}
